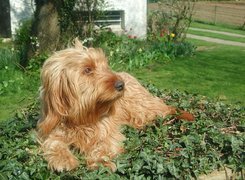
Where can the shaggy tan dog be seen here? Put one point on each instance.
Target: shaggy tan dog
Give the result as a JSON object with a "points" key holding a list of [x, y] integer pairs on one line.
{"points": [[84, 105]]}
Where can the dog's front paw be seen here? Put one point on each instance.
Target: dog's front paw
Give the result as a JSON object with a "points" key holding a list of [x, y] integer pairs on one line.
{"points": [[64, 162]]}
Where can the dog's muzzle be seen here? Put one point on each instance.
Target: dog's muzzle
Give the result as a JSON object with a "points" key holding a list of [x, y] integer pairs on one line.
{"points": [[119, 85]]}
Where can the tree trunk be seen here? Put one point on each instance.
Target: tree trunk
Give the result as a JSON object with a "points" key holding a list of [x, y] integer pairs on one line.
{"points": [[5, 27], [45, 27]]}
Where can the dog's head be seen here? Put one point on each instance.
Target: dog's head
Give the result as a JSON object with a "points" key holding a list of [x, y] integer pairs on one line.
{"points": [[78, 86]]}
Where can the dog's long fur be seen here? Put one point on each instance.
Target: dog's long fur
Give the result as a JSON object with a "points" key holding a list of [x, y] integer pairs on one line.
{"points": [[84, 104]]}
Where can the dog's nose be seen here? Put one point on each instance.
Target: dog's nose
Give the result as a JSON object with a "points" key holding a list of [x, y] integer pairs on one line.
{"points": [[119, 85]]}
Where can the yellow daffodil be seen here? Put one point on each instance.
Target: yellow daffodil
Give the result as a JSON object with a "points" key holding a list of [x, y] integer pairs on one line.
{"points": [[172, 35]]}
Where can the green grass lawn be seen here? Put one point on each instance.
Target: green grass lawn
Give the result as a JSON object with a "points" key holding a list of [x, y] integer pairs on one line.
{"points": [[217, 28], [13, 103], [17, 88], [17, 91], [216, 35], [217, 71]]}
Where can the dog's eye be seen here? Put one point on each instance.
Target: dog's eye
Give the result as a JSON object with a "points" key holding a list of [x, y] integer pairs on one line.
{"points": [[87, 70]]}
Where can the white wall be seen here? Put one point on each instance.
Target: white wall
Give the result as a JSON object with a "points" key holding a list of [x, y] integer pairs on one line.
{"points": [[135, 14], [20, 10]]}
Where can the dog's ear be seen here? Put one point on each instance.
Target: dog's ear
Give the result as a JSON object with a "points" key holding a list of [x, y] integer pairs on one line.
{"points": [[48, 121], [60, 99]]}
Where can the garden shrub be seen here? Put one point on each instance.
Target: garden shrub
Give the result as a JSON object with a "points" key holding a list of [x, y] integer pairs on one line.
{"points": [[184, 49], [25, 45], [181, 49], [22, 40], [36, 62], [79, 23], [171, 16], [179, 150], [123, 50], [130, 52]]}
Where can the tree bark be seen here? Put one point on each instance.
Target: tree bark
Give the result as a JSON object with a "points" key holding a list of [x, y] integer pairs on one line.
{"points": [[45, 26]]}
